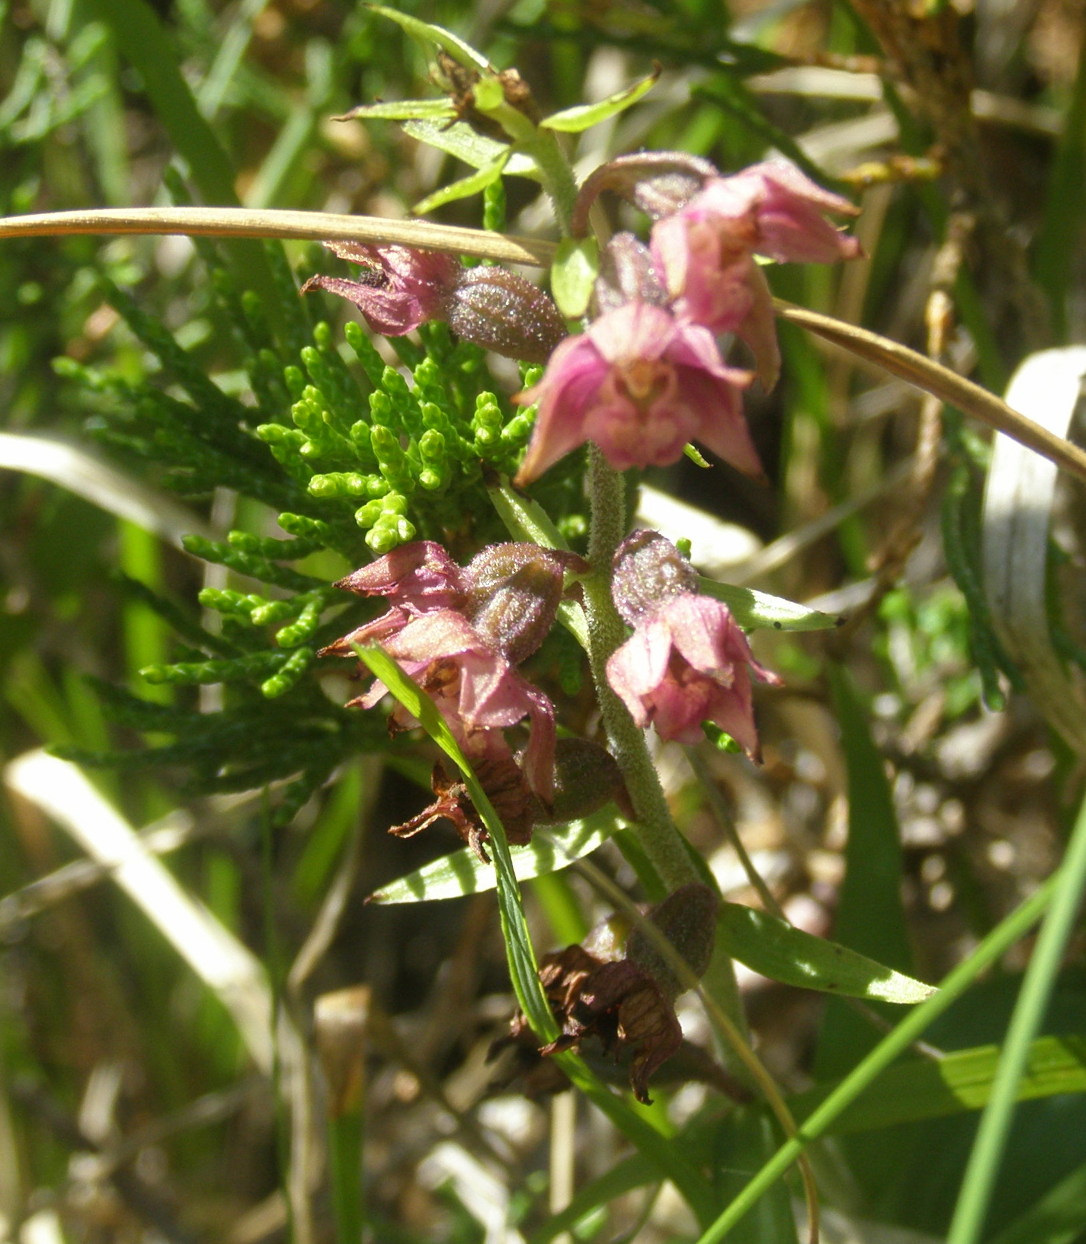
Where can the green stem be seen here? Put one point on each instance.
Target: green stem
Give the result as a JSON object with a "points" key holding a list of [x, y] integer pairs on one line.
{"points": [[558, 180], [981, 1174], [655, 831], [657, 838]]}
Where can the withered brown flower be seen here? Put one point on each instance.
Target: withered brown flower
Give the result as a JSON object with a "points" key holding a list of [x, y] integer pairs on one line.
{"points": [[618, 1011]]}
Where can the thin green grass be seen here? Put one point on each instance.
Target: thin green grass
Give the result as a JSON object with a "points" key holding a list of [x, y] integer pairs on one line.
{"points": [[970, 1214]]}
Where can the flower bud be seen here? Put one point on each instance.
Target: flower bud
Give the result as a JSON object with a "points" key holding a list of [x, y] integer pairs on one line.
{"points": [[649, 570], [511, 595], [506, 313], [687, 919], [586, 776]]}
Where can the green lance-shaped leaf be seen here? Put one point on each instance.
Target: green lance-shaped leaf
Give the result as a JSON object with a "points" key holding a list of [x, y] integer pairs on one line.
{"points": [[401, 110], [582, 117], [522, 962], [753, 609], [463, 872], [473, 184], [462, 142], [774, 948], [461, 52], [573, 274]]}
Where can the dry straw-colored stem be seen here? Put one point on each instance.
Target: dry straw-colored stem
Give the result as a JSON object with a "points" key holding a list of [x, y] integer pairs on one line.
{"points": [[243, 222], [941, 382], [899, 360]]}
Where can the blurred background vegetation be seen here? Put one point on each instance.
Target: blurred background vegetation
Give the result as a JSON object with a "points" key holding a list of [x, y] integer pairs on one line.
{"points": [[912, 792]]}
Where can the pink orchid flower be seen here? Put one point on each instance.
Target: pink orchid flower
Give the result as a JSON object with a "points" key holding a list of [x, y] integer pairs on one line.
{"points": [[704, 253], [417, 578], [714, 280], [774, 210], [688, 662], [640, 384]]}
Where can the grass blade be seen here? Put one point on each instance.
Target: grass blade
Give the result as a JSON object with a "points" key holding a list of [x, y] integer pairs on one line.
{"points": [[141, 39], [1029, 1011], [940, 381], [244, 222], [870, 914], [925, 1088], [911, 1028]]}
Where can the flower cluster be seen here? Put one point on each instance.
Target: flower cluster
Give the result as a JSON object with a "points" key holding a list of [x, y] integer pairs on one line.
{"points": [[647, 376], [687, 660], [461, 633], [643, 380]]}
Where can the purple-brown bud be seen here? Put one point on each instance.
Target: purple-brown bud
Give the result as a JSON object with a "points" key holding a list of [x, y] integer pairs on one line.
{"points": [[586, 777], [649, 570], [400, 288], [460, 83], [506, 313], [511, 595], [687, 919]]}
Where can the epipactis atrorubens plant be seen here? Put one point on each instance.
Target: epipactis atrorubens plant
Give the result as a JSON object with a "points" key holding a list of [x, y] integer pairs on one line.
{"points": [[641, 377]]}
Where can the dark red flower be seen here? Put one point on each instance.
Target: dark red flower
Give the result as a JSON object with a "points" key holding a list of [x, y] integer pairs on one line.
{"points": [[620, 1007]]}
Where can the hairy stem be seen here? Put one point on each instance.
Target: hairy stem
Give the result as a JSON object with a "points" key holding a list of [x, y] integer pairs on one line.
{"points": [[655, 830], [558, 180]]}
